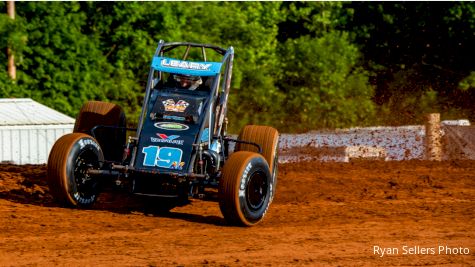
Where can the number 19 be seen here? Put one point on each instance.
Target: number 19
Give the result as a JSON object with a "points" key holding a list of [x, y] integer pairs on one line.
{"points": [[161, 157]]}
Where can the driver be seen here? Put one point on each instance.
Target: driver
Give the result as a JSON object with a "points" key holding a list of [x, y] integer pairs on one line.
{"points": [[187, 81]]}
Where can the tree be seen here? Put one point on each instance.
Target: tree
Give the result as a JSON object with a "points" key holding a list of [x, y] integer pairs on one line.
{"points": [[298, 65], [131, 30], [324, 85], [60, 66], [418, 49], [13, 36]]}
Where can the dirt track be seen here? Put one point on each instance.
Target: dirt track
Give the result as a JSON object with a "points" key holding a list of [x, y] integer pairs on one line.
{"points": [[323, 214]]}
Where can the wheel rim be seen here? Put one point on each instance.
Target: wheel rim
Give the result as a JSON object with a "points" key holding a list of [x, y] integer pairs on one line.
{"points": [[86, 185], [256, 191]]}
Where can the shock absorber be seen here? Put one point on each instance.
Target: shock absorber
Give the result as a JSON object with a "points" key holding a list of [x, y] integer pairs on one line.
{"points": [[126, 153]]}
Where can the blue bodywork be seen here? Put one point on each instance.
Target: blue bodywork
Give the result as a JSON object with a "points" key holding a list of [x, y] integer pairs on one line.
{"points": [[180, 131], [167, 142]]}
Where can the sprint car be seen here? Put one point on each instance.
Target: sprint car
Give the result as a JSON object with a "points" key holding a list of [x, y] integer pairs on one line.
{"points": [[180, 148]]}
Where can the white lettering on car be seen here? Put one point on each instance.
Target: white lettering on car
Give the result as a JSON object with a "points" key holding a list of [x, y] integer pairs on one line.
{"points": [[184, 64]]}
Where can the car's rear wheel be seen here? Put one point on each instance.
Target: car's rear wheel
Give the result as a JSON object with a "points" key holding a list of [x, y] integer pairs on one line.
{"points": [[70, 158], [112, 141], [245, 188], [268, 139]]}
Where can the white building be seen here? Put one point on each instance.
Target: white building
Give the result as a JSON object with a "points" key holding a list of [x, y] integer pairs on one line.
{"points": [[28, 130]]}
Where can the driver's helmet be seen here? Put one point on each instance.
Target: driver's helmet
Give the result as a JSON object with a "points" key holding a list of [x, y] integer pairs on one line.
{"points": [[187, 81]]}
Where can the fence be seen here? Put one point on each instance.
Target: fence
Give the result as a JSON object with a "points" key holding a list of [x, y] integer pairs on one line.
{"points": [[452, 142], [398, 143]]}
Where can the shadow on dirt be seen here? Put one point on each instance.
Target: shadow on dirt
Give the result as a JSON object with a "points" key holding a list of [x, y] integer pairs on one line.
{"points": [[195, 218], [27, 185], [126, 203]]}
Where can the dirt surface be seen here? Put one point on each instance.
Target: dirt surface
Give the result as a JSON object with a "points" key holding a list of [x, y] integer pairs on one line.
{"points": [[323, 214]]}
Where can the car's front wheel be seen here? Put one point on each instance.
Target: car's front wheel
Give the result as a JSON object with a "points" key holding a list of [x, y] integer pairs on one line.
{"points": [[69, 161]]}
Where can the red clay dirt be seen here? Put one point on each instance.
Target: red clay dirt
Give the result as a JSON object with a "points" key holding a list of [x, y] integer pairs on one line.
{"points": [[323, 214]]}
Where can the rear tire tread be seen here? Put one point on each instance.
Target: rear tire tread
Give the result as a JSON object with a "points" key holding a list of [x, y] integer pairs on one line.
{"points": [[266, 136], [94, 113]]}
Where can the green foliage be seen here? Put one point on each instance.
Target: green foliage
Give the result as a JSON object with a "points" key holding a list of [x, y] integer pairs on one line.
{"points": [[12, 34], [132, 39], [323, 85], [322, 80], [413, 46], [250, 28], [60, 67], [468, 82], [298, 65]]}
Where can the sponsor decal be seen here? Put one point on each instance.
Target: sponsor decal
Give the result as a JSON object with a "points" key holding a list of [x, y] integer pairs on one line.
{"points": [[177, 166], [171, 126], [168, 139], [175, 118], [184, 64], [179, 106]]}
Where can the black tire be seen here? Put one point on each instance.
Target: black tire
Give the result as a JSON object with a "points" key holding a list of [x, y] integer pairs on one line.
{"points": [[268, 138], [112, 141], [70, 157], [245, 189]]}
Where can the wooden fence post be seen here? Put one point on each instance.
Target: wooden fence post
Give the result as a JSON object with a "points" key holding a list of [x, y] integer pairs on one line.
{"points": [[433, 140]]}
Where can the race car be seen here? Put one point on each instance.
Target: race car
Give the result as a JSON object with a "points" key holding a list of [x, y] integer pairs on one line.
{"points": [[180, 148]]}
